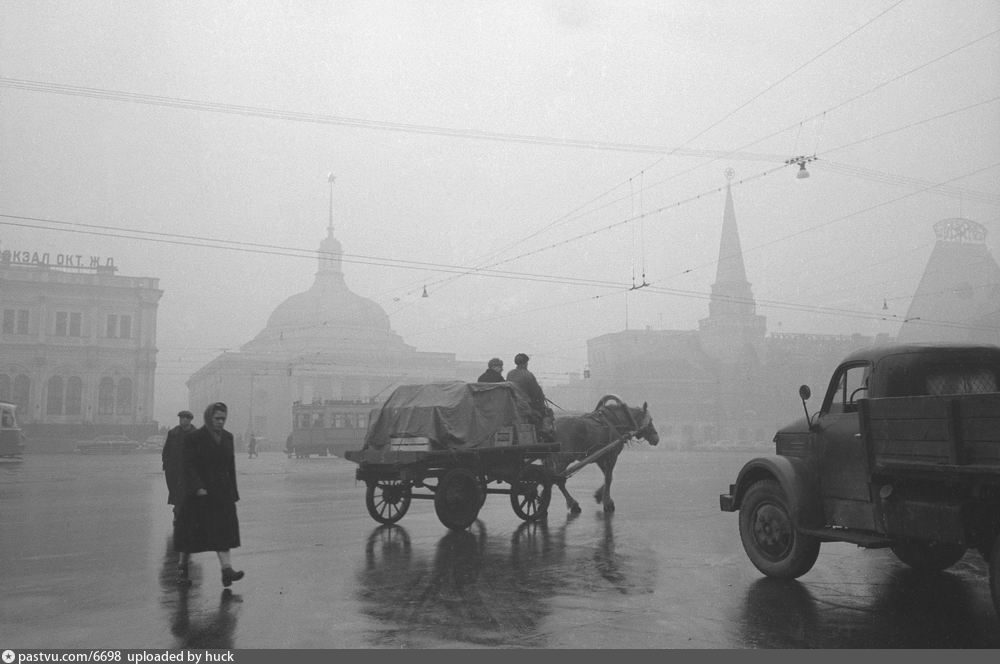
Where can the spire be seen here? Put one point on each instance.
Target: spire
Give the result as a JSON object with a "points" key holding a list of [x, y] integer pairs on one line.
{"points": [[730, 268], [330, 250], [732, 321], [331, 178]]}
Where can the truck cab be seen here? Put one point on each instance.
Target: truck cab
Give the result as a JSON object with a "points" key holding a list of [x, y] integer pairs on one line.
{"points": [[904, 452]]}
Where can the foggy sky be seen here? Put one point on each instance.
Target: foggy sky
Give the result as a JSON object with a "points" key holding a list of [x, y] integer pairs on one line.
{"points": [[442, 122]]}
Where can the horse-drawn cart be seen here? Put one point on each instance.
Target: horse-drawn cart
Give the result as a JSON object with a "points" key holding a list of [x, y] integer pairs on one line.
{"points": [[453, 443], [449, 442]]}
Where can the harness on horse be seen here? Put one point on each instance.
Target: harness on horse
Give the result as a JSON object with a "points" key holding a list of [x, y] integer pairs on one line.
{"points": [[607, 416]]}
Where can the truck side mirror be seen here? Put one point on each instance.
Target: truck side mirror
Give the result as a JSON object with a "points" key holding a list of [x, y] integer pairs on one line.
{"points": [[804, 394]]}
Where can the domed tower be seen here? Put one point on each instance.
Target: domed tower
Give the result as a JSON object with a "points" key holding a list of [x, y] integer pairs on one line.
{"points": [[328, 317], [325, 344]]}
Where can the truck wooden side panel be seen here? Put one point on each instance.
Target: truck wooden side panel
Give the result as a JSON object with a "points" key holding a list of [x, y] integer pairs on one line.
{"points": [[952, 434]]}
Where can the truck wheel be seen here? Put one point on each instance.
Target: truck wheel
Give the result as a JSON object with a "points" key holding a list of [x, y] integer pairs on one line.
{"points": [[457, 498], [388, 500], [928, 556], [769, 536], [995, 574]]}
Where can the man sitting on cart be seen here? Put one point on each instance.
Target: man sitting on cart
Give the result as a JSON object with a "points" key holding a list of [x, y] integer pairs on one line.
{"points": [[541, 414], [494, 372]]}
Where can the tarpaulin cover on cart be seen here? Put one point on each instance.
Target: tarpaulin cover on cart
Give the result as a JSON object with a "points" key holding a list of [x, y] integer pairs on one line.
{"points": [[452, 415]]}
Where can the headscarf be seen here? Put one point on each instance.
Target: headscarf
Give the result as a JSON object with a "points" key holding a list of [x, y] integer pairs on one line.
{"points": [[212, 409]]}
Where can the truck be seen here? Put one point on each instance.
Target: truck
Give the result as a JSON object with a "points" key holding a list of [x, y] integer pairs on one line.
{"points": [[903, 453]]}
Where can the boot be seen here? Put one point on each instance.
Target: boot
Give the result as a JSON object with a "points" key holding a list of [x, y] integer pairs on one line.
{"points": [[228, 576]]}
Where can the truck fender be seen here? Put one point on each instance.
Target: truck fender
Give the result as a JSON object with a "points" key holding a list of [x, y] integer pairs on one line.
{"points": [[797, 481]]}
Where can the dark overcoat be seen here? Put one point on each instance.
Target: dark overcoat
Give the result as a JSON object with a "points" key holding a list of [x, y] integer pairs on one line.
{"points": [[208, 523], [490, 376], [173, 464]]}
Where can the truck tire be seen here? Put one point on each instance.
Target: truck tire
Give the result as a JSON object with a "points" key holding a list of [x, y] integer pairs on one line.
{"points": [[995, 574], [928, 556], [769, 537]]}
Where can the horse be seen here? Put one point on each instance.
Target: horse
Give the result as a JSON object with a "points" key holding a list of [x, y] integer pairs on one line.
{"points": [[581, 435]]}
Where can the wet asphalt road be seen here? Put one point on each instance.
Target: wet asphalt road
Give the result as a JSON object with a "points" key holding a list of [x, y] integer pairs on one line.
{"points": [[87, 563]]}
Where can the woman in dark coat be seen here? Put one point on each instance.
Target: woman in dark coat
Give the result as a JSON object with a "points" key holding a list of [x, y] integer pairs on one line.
{"points": [[207, 519]]}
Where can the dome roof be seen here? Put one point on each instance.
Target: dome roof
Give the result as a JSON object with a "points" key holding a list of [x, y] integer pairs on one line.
{"points": [[327, 315]]}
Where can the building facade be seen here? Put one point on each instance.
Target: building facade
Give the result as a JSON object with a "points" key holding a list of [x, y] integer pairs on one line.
{"points": [[77, 348], [731, 384], [326, 344]]}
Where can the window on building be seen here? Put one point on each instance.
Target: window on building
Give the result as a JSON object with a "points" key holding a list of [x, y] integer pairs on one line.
{"points": [[22, 321], [69, 324], [74, 395], [9, 321], [54, 404], [106, 397], [124, 401], [5, 387], [112, 327]]}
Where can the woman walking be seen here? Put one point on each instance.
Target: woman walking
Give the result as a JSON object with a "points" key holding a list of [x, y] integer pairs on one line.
{"points": [[207, 519]]}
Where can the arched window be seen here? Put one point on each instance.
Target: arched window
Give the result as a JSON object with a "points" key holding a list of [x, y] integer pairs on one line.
{"points": [[22, 388], [106, 397], [5, 387], [54, 405], [124, 401], [74, 395]]}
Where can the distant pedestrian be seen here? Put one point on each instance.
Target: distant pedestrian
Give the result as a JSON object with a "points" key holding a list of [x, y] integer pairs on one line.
{"points": [[173, 471], [252, 447], [494, 372], [208, 520]]}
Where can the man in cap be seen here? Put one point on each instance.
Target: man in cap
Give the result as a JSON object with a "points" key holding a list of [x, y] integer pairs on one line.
{"points": [[494, 372], [524, 379], [173, 471]]}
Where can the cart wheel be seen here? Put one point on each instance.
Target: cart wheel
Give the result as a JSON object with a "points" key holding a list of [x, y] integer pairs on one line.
{"points": [[387, 500], [530, 493], [458, 497]]}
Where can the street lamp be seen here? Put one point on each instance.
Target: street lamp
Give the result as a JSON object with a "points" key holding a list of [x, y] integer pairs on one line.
{"points": [[801, 160]]}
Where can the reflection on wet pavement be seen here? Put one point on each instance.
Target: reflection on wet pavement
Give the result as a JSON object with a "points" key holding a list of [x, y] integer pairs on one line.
{"points": [[197, 620], [485, 590], [908, 609]]}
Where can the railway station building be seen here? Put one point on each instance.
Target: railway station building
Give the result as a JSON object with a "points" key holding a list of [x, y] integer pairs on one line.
{"points": [[77, 347]]}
